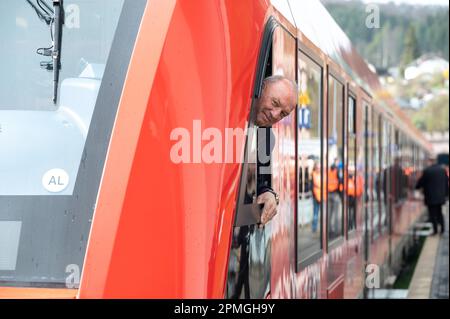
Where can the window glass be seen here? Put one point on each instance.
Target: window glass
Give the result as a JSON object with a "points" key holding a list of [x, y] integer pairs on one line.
{"points": [[309, 156], [250, 185], [335, 167], [367, 168], [43, 238], [396, 166], [375, 174], [384, 173], [47, 139], [354, 182], [249, 270]]}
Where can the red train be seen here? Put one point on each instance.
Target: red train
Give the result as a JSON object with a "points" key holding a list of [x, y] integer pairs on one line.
{"points": [[93, 206]]}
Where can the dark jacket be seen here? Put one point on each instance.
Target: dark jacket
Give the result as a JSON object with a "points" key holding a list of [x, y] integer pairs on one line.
{"points": [[434, 182], [266, 144]]}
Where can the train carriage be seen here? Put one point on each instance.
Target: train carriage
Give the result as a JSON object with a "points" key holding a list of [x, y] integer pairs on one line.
{"points": [[92, 205]]}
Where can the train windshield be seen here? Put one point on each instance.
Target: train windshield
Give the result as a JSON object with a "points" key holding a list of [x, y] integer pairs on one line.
{"points": [[52, 154], [42, 141]]}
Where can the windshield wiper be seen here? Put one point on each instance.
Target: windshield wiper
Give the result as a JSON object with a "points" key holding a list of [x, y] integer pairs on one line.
{"points": [[56, 55], [43, 11], [54, 18]]}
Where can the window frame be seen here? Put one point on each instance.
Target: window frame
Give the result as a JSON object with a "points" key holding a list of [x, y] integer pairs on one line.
{"points": [[366, 109], [350, 233], [302, 263], [331, 71], [245, 214], [384, 170]]}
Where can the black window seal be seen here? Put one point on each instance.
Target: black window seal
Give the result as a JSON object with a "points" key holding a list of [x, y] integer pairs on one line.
{"points": [[264, 55]]}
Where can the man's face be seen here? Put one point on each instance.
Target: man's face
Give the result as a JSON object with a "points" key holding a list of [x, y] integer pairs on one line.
{"points": [[277, 101]]}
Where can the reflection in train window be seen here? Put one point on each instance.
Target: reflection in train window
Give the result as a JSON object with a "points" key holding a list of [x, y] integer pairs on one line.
{"points": [[335, 169], [375, 174], [309, 115], [367, 168], [354, 183], [384, 175]]}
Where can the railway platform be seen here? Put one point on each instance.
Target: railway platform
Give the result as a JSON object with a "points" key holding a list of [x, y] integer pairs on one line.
{"points": [[431, 276]]}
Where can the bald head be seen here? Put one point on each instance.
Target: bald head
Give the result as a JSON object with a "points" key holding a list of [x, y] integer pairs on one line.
{"points": [[278, 99]]}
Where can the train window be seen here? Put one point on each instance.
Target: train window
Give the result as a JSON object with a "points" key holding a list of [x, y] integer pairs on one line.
{"points": [[367, 169], [403, 161], [335, 167], [415, 168], [248, 211], [250, 255], [52, 156], [384, 174], [409, 170], [354, 181], [375, 174], [396, 166], [309, 152]]}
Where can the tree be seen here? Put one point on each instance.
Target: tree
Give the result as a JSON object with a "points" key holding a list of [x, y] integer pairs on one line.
{"points": [[411, 49], [433, 117], [431, 31]]}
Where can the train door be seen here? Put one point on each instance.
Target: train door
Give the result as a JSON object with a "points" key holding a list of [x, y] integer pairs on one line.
{"points": [[53, 147], [250, 265]]}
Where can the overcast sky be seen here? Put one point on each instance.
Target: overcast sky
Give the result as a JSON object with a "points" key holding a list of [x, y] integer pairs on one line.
{"points": [[421, 2]]}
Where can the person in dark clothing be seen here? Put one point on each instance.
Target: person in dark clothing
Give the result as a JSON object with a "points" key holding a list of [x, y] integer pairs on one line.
{"points": [[278, 99], [434, 182]]}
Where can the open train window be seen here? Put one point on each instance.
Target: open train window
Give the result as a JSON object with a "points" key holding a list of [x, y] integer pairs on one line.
{"points": [[249, 261], [248, 211], [309, 158], [335, 160]]}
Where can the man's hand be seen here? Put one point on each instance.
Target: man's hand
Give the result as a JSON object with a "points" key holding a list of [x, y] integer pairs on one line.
{"points": [[270, 207]]}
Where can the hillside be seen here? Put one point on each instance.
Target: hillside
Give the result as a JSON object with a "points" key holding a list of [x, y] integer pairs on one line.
{"points": [[405, 31]]}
